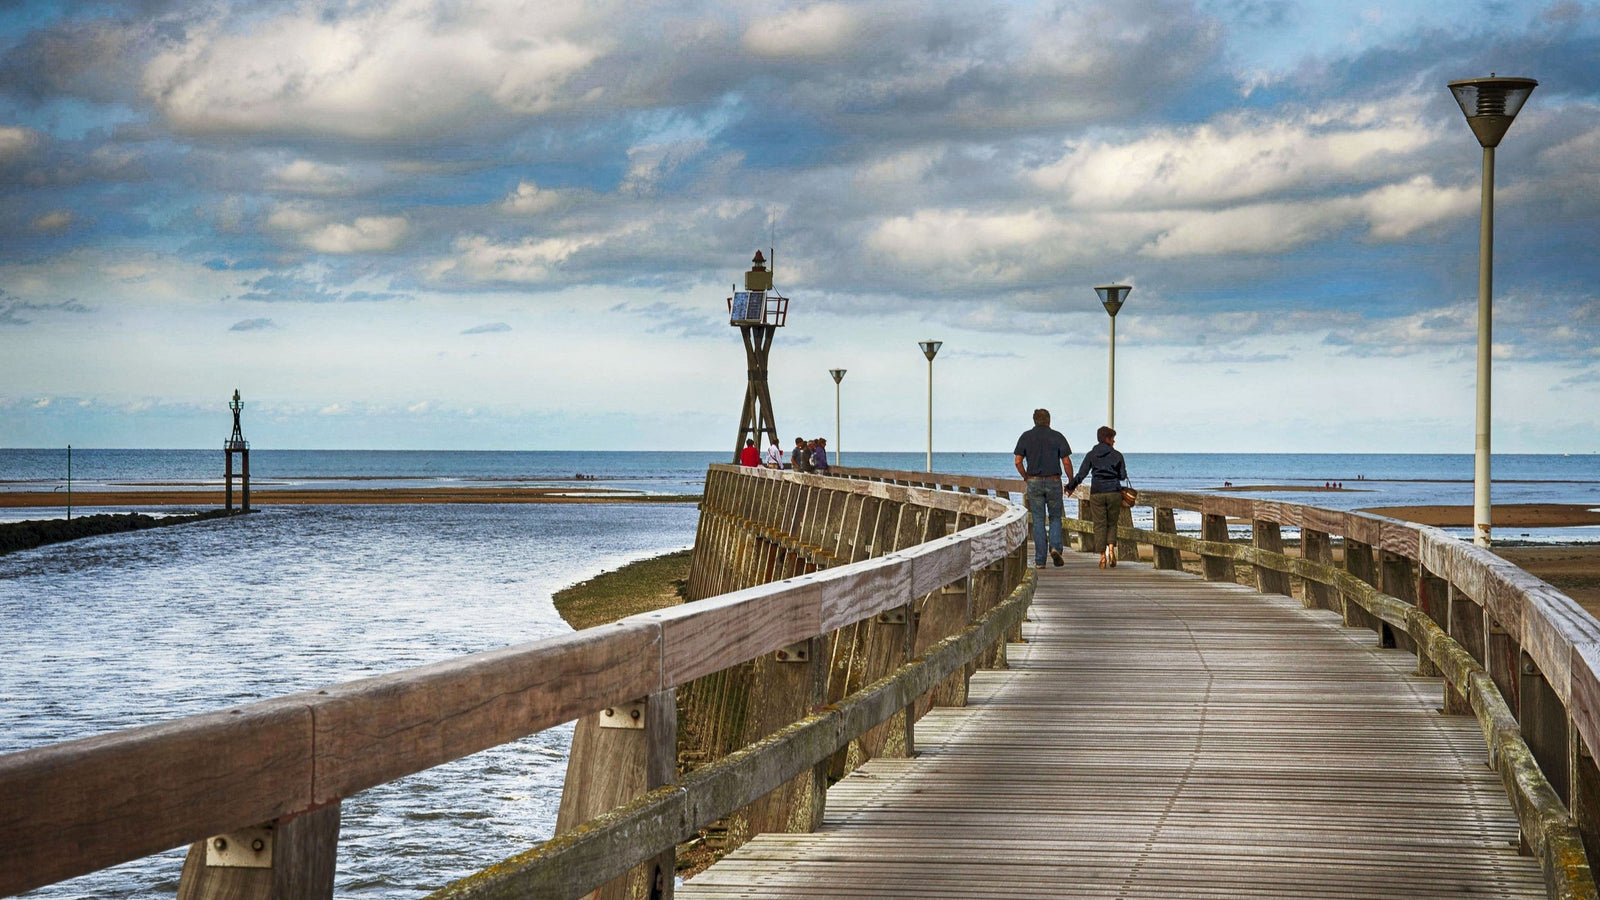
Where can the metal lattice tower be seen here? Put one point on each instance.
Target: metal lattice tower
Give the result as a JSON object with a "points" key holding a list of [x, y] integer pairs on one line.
{"points": [[758, 311]]}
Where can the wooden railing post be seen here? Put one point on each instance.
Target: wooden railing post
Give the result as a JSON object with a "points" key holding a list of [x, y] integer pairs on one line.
{"points": [[1167, 523], [944, 612], [1397, 579], [1317, 547], [1127, 548], [283, 860], [888, 644], [1265, 535], [1584, 792], [1544, 724], [618, 754], [792, 684], [1503, 658], [1358, 561], [1214, 527], [1433, 598], [1467, 629]]}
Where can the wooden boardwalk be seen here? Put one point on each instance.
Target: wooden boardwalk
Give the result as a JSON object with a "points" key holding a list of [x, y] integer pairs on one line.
{"points": [[1160, 736]]}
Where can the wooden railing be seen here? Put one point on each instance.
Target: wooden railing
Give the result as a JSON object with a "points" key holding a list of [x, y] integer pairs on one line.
{"points": [[264, 782], [1513, 651]]}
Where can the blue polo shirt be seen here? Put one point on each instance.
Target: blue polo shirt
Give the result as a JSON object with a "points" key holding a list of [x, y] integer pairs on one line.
{"points": [[1042, 447]]}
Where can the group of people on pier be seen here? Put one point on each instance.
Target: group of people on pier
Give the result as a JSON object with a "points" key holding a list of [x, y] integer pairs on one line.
{"points": [[807, 456], [1042, 457]]}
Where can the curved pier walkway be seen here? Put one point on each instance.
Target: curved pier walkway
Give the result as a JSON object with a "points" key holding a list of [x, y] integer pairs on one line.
{"points": [[1162, 736]]}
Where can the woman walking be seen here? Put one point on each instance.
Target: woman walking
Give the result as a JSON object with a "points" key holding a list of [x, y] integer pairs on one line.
{"points": [[1105, 492]]}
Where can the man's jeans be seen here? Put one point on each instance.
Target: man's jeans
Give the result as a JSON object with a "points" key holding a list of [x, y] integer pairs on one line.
{"points": [[1045, 494]]}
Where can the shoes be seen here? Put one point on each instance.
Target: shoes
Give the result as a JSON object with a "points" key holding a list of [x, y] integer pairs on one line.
{"points": [[1038, 564], [1055, 557], [1102, 559], [1111, 556]]}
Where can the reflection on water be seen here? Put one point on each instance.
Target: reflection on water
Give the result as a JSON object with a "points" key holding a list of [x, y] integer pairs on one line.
{"points": [[123, 630]]}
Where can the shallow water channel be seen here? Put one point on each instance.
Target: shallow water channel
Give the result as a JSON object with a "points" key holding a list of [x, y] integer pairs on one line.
{"points": [[124, 630]]}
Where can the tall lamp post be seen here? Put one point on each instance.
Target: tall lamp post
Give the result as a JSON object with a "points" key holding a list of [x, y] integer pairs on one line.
{"points": [[930, 349], [1112, 296], [1490, 105], [838, 376]]}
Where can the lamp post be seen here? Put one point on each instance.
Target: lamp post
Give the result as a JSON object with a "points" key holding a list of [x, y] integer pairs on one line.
{"points": [[930, 349], [1490, 105], [1112, 296], [838, 443]]}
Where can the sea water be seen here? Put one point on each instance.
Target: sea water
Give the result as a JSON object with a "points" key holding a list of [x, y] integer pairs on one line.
{"points": [[129, 629]]}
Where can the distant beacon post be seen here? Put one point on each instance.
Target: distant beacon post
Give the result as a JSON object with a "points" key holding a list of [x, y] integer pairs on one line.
{"points": [[758, 311], [236, 444]]}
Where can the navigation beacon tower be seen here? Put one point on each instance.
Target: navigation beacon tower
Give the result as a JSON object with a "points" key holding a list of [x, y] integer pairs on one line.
{"points": [[758, 311], [236, 444]]}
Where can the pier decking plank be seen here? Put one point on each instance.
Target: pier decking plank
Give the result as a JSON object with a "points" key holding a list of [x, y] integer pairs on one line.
{"points": [[1161, 736]]}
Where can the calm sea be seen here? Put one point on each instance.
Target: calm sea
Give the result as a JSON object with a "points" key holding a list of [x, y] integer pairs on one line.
{"points": [[124, 630]]}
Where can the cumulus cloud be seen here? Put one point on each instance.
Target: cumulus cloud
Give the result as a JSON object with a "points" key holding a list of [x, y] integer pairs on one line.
{"points": [[307, 176], [530, 199], [1244, 157], [16, 142], [365, 234], [54, 221], [488, 328], [818, 31], [373, 70], [253, 325]]}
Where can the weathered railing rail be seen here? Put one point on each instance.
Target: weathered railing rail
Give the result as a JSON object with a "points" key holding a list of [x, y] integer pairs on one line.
{"points": [[276, 771]]}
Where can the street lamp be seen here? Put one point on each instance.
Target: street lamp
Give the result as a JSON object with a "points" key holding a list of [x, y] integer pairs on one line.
{"points": [[838, 376], [930, 349], [1490, 105], [1112, 296]]}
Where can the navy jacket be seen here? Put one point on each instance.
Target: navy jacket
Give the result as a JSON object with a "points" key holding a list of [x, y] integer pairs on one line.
{"points": [[1109, 469]]}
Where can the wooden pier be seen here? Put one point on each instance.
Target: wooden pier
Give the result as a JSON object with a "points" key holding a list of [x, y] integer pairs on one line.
{"points": [[1162, 736], [1409, 716]]}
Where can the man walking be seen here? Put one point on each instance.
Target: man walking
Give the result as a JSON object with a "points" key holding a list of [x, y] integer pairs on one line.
{"points": [[1041, 456]]}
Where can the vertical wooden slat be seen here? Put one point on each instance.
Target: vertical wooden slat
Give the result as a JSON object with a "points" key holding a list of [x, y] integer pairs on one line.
{"points": [[1266, 535], [1317, 547], [1166, 523], [1358, 561], [1214, 527], [1544, 724], [304, 853], [1397, 578]]}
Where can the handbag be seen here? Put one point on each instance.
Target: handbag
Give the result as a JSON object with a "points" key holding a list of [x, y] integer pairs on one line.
{"points": [[1130, 496]]}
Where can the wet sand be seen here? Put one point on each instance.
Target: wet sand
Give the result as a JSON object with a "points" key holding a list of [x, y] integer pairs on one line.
{"points": [[146, 497], [1504, 515]]}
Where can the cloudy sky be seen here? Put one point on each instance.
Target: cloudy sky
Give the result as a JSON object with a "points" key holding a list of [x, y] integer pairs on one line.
{"points": [[504, 224]]}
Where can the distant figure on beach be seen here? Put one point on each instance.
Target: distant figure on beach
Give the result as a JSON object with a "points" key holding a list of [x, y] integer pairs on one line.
{"points": [[773, 458], [750, 457], [1105, 492], [800, 456], [819, 456], [1041, 456]]}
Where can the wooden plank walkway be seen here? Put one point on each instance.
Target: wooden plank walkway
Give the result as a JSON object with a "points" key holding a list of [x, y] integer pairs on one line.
{"points": [[1160, 736]]}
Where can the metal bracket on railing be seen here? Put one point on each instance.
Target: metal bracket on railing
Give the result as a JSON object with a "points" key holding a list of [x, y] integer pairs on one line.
{"points": [[624, 715], [892, 616], [796, 653], [247, 848]]}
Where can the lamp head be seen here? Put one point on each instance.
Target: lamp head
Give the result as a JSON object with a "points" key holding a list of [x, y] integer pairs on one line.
{"points": [[930, 349], [1112, 296], [1491, 104], [838, 375], [236, 404]]}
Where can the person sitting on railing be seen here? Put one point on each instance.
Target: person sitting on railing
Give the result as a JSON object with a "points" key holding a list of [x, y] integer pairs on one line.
{"points": [[749, 457], [1042, 455], [1105, 492]]}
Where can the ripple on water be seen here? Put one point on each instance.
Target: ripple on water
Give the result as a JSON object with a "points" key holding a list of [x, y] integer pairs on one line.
{"points": [[124, 630]]}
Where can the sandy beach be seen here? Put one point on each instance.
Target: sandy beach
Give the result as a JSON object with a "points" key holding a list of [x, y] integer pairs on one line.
{"points": [[1507, 515], [312, 496]]}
